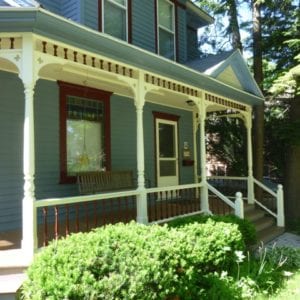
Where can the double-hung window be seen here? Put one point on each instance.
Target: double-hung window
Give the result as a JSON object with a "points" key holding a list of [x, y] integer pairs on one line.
{"points": [[85, 133], [166, 28], [115, 18]]}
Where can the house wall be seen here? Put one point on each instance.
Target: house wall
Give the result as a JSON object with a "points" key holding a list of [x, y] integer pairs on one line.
{"points": [[192, 44], [47, 152], [181, 35], [11, 153]]}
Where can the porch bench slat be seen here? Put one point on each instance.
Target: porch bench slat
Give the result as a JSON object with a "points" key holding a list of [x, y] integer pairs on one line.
{"points": [[97, 182]]}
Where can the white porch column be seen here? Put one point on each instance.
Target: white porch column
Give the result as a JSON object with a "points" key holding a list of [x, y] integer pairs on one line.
{"points": [[142, 212], [204, 190], [29, 220], [250, 182]]}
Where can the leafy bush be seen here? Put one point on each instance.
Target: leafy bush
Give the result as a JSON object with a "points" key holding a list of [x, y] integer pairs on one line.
{"points": [[133, 261], [246, 227]]}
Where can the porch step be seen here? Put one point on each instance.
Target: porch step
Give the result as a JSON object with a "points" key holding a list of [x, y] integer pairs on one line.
{"points": [[12, 273], [265, 225]]}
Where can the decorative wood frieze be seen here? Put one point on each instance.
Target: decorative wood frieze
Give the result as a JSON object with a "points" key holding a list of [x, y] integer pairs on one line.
{"points": [[10, 43], [171, 85], [85, 59], [224, 102]]}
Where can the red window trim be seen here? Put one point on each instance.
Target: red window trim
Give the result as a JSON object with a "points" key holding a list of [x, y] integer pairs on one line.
{"points": [[66, 89], [129, 19]]}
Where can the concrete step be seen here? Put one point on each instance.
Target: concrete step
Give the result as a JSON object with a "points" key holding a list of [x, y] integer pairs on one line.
{"points": [[11, 282], [254, 215], [269, 234], [263, 223]]}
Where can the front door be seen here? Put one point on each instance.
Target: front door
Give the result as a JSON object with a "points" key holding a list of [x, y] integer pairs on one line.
{"points": [[166, 152]]}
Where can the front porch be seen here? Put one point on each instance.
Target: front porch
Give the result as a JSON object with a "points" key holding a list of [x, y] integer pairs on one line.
{"points": [[140, 97]]}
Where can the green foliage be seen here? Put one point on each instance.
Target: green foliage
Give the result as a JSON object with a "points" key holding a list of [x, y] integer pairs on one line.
{"points": [[133, 262], [246, 228]]}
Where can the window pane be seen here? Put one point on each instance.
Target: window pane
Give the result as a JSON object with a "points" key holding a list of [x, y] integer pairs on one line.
{"points": [[166, 140], [115, 20], [85, 135], [84, 149], [168, 168], [165, 14], [166, 44]]}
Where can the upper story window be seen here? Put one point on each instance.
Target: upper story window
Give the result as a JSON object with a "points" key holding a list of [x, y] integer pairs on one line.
{"points": [[166, 28], [115, 18]]}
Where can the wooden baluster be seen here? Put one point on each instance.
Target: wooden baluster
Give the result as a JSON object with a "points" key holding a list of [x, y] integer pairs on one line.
{"points": [[112, 213], [101, 64], [124, 71], [104, 213], [119, 210], [117, 69], [66, 53], [84, 59], [0, 42], [67, 220], [44, 47], [95, 214], [77, 217], [93, 62], [55, 50], [155, 206], [12, 43], [130, 73], [45, 218], [161, 206], [109, 67], [149, 207], [56, 222], [86, 208], [75, 56], [127, 209]]}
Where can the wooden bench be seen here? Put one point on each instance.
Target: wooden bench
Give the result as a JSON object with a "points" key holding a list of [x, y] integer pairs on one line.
{"points": [[97, 182]]}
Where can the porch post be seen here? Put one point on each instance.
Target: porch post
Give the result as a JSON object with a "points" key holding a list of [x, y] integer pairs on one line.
{"points": [[142, 212], [204, 189], [250, 181], [29, 221]]}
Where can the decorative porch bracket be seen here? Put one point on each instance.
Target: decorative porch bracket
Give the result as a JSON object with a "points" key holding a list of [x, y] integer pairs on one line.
{"points": [[139, 98], [29, 77]]}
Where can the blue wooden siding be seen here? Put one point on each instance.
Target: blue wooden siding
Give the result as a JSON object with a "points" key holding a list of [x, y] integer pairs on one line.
{"points": [[52, 5], [143, 24], [90, 14], [11, 153], [123, 134], [71, 9], [192, 44], [182, 37]]}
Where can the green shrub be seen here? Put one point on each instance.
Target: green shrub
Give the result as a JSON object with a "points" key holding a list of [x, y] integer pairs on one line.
{"points": [[246, 227], [133, 262]]}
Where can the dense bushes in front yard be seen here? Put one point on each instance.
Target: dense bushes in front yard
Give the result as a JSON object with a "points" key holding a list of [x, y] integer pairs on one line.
{"points": [[136, 262], [246, 228]]}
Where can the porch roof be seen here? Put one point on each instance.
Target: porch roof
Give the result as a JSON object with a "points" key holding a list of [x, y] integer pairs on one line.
{"points": [[42, 22]]}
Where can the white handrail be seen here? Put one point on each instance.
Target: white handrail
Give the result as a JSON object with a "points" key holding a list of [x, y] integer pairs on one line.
{"points": [[84, 198], [174, 187], [265, 188], [227, 177], [220, 195], [265, 208]]}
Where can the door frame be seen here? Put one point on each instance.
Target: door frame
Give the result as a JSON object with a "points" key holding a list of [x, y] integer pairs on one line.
{"points": [[167, 117]]}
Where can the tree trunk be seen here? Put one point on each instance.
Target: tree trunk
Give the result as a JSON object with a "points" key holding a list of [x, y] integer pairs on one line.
{"points": [[234, 26], [292, 172], [259, 110]]}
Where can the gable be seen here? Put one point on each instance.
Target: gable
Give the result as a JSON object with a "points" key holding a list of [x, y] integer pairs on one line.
{"points": [[234, 71], [229, 77]]}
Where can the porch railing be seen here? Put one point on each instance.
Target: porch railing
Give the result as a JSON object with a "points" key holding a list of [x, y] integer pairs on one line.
{"points": [[167, 203], [61, 216], [271, 202]]}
